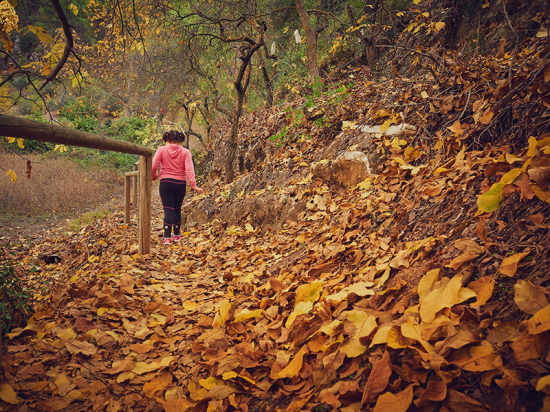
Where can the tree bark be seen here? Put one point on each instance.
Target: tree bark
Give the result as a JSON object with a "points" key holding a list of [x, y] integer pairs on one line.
{"points": [[268, 82], [311, 40]]}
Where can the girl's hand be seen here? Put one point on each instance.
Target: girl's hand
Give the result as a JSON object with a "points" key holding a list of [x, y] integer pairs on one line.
{"points": [[198, 189]]}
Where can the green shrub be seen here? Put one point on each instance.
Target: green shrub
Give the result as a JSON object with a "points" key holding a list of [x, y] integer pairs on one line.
{"points": [[14, 298], [82, 113]]}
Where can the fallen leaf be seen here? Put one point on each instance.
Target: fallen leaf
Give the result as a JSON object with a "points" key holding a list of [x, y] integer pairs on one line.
{"points": [[400, 402], [7, 394], [378, 378], [509, 265], [159, 383], [294, 366], [528, 297], [75, 346]]}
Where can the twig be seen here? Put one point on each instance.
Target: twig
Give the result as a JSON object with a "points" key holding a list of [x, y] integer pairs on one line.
{"points": [[387, 46], [466, 106], [525, 83], [68, 47]]}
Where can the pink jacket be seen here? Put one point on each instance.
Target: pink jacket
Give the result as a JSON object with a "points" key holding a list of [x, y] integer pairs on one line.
{"points": [[175, 163]]}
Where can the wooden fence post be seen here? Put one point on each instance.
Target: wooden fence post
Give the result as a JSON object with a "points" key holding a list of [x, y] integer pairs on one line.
{"points": [[127, 186], [144, 220], [134, 197]]}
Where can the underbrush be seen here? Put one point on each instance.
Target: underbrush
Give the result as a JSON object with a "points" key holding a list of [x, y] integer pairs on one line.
{"points": [[56, 186], [87, 218]]}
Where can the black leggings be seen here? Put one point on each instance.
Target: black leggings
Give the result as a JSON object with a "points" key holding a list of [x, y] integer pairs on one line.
{"points": [[172, 192]]}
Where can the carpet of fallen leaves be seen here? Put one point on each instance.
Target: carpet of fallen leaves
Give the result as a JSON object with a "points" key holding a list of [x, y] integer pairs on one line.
{"points": [[422, 288]]}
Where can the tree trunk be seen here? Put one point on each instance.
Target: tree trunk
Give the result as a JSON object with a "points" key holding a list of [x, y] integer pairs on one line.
{"points": [[311, 39], [232, 142], [267, 82]]}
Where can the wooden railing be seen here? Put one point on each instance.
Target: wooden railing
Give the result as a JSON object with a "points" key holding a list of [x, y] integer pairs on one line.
{"points": [[11, 126]]}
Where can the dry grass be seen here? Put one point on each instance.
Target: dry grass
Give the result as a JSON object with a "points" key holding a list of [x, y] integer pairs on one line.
{"points": [[56, 186]]}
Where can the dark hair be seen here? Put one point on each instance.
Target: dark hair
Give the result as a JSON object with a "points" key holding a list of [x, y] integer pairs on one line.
{"points": [[173, 136]]}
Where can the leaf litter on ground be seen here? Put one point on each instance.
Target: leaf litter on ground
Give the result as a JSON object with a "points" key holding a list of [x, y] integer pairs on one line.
{"points": [[422, 287]]}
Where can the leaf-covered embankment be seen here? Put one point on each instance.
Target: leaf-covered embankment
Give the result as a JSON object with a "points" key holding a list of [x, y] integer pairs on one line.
{"points": [[422, 287]]}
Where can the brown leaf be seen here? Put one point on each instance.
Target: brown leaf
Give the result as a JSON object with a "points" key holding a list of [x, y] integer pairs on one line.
{"points": [[276, 284], [141, 348], [75, 346], [159, 383], [435, 391], [509, 265], [461, 260], [528, 297], [53, 404], [378, 378], [399, 402], [481, 230], [29, 169], [175, 405], [484, 289], [123, 365]]}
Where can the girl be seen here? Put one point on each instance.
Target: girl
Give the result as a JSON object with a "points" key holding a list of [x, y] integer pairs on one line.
{"points": [[175, 164]]}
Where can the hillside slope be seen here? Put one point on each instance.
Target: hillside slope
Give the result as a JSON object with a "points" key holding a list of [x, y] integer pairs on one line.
{"points": [[417, 285]]}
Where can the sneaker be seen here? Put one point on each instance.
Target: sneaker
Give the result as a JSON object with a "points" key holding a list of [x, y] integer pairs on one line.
{"points": [[167, 241], [176, 238]]}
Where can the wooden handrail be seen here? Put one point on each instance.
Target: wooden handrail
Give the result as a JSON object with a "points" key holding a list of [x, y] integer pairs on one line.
{"points": [[11, 126]]}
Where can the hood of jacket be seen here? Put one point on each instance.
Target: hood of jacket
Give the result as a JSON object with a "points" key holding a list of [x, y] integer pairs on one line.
{"points": [[174, 150]]}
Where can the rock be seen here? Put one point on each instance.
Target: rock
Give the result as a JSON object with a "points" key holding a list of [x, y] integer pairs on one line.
{"points": [[402, 128], [350, 168]]}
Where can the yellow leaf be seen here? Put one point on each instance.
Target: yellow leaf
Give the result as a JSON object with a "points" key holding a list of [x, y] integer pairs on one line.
{"points": [[224, 311], [528, 297], [416, 1], [249, 227], [532, 147], [7, 394], [381, 335], [294, 366], [489, 201], [309, 292], [440, 25], [437, 299], [20, 143], [229, 375], [412, 331], [125, 376], [543, 195], [540, 322], [210, 382], [360, 289], [73, 8], [385, 126], [543, 382], [10, 173], [190, 305], [300, 309], [246, 314], [426, 283], [424, 95], [365, 325], [509, 265], [484, 6]]}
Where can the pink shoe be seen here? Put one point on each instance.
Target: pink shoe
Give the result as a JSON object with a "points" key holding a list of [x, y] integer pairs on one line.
{"points": [[176, 238], [167, 241]]}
